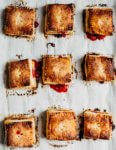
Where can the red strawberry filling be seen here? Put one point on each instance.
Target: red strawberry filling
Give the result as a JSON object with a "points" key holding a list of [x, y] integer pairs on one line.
{"points": [[95, 37], [38, 68], [36, 24], [18, 132], [63, 34], [60, 88]]}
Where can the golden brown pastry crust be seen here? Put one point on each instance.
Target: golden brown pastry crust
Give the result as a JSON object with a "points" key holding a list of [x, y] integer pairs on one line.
{"points": [[20, 131], [61, 125], [97, 125], [99, 21], [19, 21], [20, 74], [59, 19], [57, 69], [98, 68]]}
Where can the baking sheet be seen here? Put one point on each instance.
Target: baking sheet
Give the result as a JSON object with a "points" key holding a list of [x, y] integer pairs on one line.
{"points": [[80, 95]]}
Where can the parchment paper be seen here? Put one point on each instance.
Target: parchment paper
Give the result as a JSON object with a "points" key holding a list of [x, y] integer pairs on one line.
{"points": [[80, 95]]}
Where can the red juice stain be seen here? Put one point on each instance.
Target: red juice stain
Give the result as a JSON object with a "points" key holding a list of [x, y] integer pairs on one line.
{"points": [[36, 24], [51, 44], [94, 37], [60, 88]]}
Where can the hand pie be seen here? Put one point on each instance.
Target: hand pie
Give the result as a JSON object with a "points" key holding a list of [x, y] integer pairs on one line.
{"points": [[21, 74], [59, 19], [98, 68], [99, 21], [61, 125], [20, 131], [57, 70], [97, 125], [20, 21]]}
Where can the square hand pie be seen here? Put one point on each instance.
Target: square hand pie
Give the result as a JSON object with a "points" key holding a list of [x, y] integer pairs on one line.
{"points": [[98, 68], [57, 70], [59, 19], [19, 21], [99, 21], [20, 131], [97, 125], [21, 74], [61, 125]]}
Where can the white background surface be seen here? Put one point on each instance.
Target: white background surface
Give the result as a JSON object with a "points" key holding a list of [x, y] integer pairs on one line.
{"points": [[80, 95]]}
